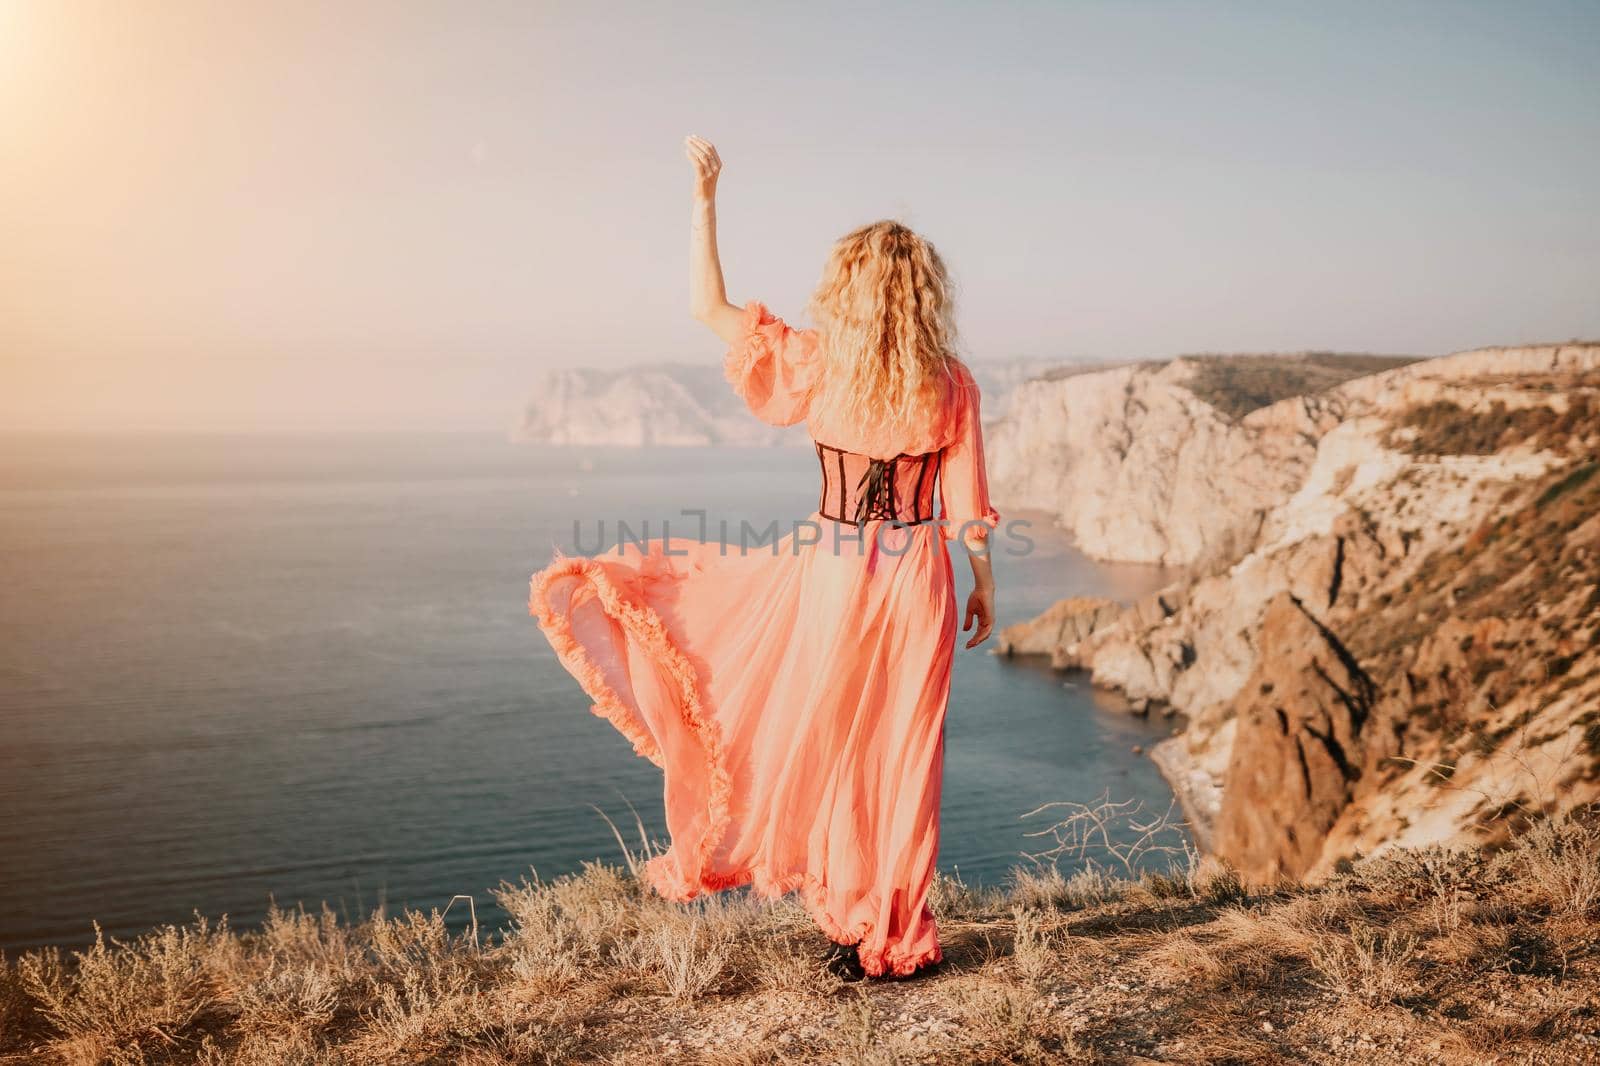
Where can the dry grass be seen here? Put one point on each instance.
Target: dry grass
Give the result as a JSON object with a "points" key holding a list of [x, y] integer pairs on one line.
{"points": [[1439, 955]]}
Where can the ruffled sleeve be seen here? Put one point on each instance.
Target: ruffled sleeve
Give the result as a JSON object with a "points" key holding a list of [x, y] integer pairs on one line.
{"points": [[964, 481], [772, 366]]}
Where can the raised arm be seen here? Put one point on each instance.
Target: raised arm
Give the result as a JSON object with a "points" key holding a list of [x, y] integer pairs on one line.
{"points": [[708, 296]]}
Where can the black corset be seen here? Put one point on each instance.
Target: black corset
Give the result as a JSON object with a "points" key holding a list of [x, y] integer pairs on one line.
{"points": [[857, 488]]}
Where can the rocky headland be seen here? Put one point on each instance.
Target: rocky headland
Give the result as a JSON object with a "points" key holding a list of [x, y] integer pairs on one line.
{"points": [[680, 405], [642, 407], [1387, 631]]}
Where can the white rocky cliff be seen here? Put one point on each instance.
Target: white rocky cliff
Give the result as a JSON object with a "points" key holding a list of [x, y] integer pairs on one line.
{"points": [[681, 405], [1139, 467], [659, 406], [1404, 645]]}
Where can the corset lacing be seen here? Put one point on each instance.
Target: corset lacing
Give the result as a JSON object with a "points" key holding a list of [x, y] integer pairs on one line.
{"points": [[880, 492]]}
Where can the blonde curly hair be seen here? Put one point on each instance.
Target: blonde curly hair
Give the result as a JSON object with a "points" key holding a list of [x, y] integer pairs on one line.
{"points": [[885, 320]]}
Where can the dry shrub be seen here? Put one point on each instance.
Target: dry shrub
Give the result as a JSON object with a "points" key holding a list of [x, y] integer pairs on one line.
{"points": [[1446, 879], [565, 930], [1517, 949], [1414, 873], [1212, 880], [785, 968], [1003, 1017], [1473, 945], [296, 936], [1278, 931], [952, 899], [533, 1042], [302, 996], [1042, 948], [1160, 887], [425, 990], [126, 998], [690, 957], [1248, 947], [583, 916], [1008, 1023], [287, 1048], [545, 969], [1370, 965], [1494, 1037], [1045, 887], [554, 942], [454, 1015], [417, 942], [1310, 914], [1035, 948], [292, 976], [1258, 946], [1118, 846], [415, 1012], [14, 1008], [1558, 860]]}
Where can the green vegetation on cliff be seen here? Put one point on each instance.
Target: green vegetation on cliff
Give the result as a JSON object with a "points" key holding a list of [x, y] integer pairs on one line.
{"points": [[1238, 384]]}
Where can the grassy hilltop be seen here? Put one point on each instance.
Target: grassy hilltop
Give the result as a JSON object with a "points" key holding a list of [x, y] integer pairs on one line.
{"points": [[1441, 956]]}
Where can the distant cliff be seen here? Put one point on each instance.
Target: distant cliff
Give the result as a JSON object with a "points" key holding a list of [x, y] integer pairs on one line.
{"points": [[685, 405], [1399, 642], [1164, 462], [641, 407]]}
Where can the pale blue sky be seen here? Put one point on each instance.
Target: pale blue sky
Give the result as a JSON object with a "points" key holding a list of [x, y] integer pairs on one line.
{"points": [[380, 215]]}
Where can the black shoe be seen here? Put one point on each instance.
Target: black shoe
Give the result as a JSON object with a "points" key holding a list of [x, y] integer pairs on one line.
{"points": [[843, 962]]}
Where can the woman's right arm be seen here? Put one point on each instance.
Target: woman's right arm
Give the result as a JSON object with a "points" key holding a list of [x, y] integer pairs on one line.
{"points": [[980, 602], [708, 295], [968, 515]]}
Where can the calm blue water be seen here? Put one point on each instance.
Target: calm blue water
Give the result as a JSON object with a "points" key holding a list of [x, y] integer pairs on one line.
{"points": [[235, 667]]}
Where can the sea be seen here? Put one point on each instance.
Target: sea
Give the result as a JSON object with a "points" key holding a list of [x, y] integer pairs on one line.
{"points": [[238, 670]]}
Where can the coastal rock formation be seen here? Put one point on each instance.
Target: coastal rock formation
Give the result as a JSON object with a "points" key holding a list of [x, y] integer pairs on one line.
{"points": [[1061, 630], [1406, 646], [1166, 462], [1295, 756], [662, 406], [673, 405]]}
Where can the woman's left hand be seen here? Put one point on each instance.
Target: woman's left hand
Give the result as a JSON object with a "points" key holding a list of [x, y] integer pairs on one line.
{"points": [[707, 166]]}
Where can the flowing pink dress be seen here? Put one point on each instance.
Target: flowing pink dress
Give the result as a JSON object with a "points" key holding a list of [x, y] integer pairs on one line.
{"points": [[794, 695]]}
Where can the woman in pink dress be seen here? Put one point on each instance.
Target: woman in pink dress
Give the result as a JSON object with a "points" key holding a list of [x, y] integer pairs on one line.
{"points": [[794, 694]]}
